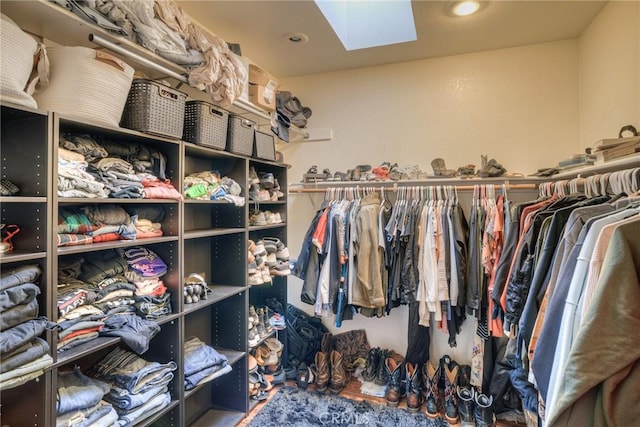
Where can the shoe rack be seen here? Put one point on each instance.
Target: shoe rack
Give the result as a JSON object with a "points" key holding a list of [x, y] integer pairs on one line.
{"points": [[205, 237]]}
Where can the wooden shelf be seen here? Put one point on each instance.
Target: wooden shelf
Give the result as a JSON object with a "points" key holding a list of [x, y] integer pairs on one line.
{"points": [[267, 227], [94, 247], [626, 162], [22, 199], [197, 234], [18, 256], [89, 201], [50, 21], [85, 349], [218, 293], [219, 417]]}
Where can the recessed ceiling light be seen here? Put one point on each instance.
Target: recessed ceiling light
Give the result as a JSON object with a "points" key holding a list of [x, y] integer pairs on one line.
{"points": [[296, 38], [464, 8]]}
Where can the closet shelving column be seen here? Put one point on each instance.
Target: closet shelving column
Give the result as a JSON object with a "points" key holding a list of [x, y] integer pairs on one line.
{"points": [[167, 344], [25, 161], [278, 289], [214, 244]]}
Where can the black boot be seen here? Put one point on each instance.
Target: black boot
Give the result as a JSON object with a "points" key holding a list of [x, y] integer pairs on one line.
{"points": [[430, 376], [381, 373], [413, 383], [450, 396], [466, 406], [373, 357], [484, 410], [395, 388]]}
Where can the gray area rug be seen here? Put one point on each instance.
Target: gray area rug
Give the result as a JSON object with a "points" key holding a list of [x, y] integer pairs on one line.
{"points": [[292, 406]]}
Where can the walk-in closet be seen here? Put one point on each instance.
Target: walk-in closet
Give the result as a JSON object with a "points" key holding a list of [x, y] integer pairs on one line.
{"points": [[219, 213]]}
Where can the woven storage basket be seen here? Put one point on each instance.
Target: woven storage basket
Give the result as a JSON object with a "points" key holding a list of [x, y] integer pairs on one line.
{"points": [[154, 108], [240, 135], [205, 124], [264, 146], [16, 63], [86, 84]]}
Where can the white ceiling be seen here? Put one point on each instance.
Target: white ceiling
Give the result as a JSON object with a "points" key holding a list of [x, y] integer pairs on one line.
{"points": [[259, 25]]}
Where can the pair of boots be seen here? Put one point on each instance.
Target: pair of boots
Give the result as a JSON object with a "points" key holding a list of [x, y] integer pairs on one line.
{"points": [[435, 401], [331, 370], [476, 409], [375, 367], [404, 379]]}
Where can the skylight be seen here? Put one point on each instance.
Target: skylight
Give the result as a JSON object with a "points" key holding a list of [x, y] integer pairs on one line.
{"points": [[360, 24]]}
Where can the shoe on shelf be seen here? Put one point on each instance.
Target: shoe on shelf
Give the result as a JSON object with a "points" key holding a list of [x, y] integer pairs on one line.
{"points": [[259, 249], [269, 218], [283, 254], [270, 244], [264, 319], [266, 275], [280, 269], [253, 268], [278, 322], [255, 279], [253, 176], [271, 260], [257, 218], [253, 316], [254, 337], [267, 180]]}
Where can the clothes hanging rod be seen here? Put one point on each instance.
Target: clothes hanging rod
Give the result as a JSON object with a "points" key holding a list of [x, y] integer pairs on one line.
{"points": [[395, 188], [137, 58]]}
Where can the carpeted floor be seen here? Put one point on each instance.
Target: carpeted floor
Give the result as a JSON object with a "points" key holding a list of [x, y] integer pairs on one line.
{"points": [[292, 406]]}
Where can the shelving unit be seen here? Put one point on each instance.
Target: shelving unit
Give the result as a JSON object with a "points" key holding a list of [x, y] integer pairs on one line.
{"points": [[207, 237]]}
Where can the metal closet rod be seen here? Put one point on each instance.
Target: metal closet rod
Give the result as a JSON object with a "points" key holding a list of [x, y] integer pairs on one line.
{"points": [[396, 187], [135, 57]]}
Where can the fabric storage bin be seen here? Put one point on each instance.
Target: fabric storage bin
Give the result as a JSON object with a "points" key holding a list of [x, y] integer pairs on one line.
{"points": [[16, 63], [86, 84], [154, 108], [240, 135], [205, 124], [264, 146]]}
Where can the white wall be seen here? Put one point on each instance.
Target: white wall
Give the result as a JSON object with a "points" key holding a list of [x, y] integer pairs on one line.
{"points": [[518, 105], [609, 72], [528, 107]]}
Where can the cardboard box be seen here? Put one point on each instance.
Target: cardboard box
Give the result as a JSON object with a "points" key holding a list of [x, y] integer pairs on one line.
{"points": [[258, 76], [264, 97]]}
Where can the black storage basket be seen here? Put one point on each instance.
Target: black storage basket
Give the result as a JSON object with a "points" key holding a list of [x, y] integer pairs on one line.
{"points": [[264, 146], [205, 124], [240, 135], [154, 108]]}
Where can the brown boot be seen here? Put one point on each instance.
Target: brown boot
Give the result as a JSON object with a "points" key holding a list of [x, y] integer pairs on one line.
{"points": [[395, 387], [414, 387], [326, 344], [339, 377], [323, 373]]}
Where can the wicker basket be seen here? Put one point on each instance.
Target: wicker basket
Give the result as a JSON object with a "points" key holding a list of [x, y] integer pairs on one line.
{"points": [[86, 84], [154, 108], [205, 124], [264, 146], [240, 135]]}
